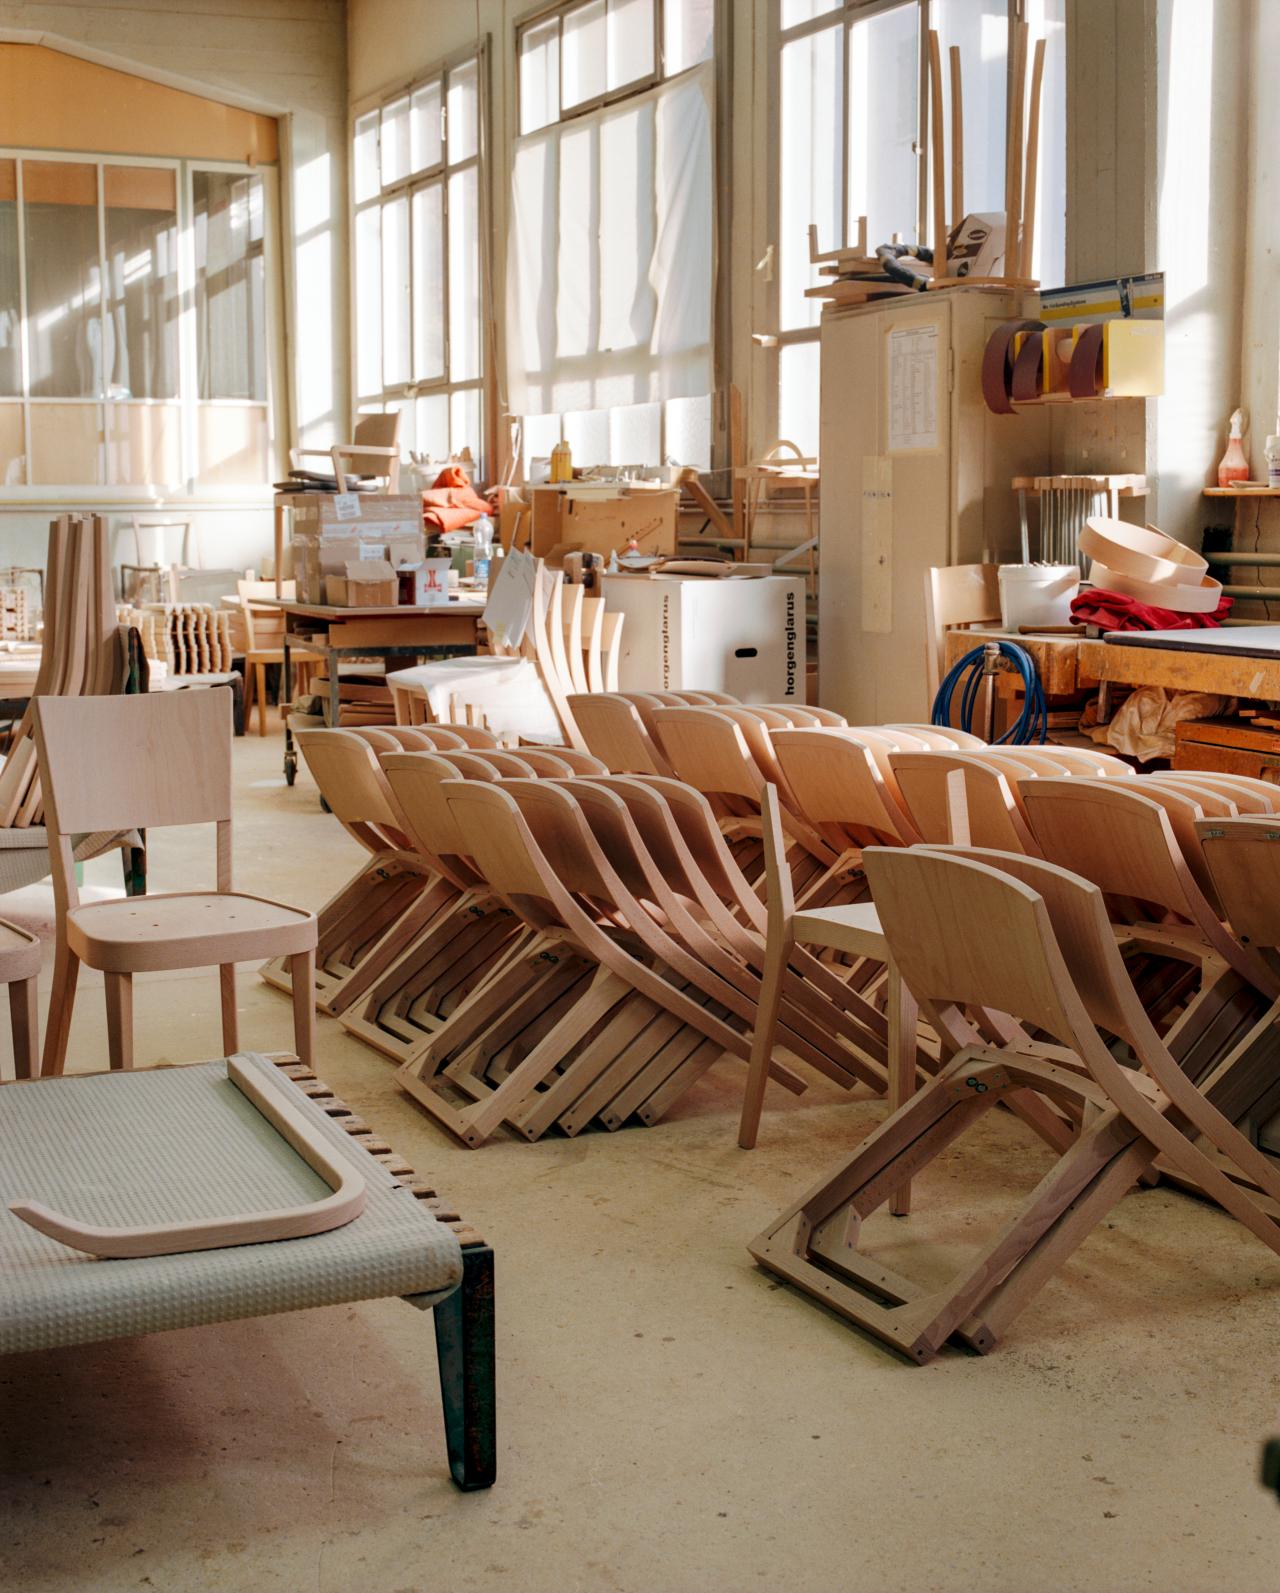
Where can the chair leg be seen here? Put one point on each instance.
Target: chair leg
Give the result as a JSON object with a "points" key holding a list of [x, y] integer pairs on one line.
{"points": [[903, 1016], [230, 1018], [302, 977], [119, 1019], [261, 671], [24, 1021], [762, 1039], [465, 1351], [62, 999]]}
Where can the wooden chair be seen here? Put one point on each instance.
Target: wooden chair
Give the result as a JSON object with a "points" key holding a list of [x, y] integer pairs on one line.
{"points": [[853, 928], [961, 797], [955, 597], [155, 761], [613, 730], [20, 957], [391, 898], [943, 737], [262, 641], [374, 450], [1046, 958]]}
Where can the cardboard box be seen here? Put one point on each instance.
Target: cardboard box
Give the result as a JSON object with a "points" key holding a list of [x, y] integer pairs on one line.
{"points": [[430, 582], [368, 583], [347, 514], [316, 559], [562, 521], [690, 633]]}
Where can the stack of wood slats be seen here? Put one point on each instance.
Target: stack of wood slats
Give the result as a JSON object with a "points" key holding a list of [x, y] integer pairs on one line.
{"points": [[360, 702], [81, 654], [190, 638]]}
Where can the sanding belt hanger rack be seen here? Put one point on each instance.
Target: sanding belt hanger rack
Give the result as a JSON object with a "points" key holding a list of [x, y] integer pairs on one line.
{"points": [[1066, 503]]}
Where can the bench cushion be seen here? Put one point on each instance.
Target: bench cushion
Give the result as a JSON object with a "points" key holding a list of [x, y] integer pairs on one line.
{"points": [[170, 1145]]}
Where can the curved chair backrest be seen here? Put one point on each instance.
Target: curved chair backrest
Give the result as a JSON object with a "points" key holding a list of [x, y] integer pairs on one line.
{"points": [[345, 767], [615, 733], [835, 784], [942, 736], [1243, 855], [951, 796], [709, 751]]}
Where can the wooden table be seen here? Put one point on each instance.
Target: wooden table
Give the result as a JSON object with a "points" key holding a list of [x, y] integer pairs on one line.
{"points": [[1080, 663], [441, 631]]}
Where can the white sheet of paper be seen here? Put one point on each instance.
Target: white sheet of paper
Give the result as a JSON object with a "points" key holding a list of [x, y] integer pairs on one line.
{"points": [[346, 505], [913, 388], [510, 602]]}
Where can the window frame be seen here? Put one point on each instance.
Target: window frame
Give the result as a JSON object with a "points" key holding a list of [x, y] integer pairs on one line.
{"points": [[720, 53], [406, 393], [842, 15], [188, 402]]}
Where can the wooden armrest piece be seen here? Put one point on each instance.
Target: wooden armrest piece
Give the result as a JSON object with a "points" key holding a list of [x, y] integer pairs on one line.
{"points": [[217, 1233]]}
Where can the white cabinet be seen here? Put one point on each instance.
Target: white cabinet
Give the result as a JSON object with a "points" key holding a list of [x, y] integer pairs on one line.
{"points": [[694, 633], [916, 471]]}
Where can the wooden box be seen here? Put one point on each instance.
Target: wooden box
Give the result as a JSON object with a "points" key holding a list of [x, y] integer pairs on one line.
{"points": [[1228, 746], [565, 523]]}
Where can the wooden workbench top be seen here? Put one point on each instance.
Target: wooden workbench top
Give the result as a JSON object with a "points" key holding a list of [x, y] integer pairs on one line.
{"points": [[469, 605]]}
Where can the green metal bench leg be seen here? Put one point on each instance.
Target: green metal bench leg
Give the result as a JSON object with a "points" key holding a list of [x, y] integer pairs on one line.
{"points": [[465, 1348]]}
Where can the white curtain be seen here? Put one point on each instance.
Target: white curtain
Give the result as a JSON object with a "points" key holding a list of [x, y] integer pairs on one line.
{"points": [[611, 256]]}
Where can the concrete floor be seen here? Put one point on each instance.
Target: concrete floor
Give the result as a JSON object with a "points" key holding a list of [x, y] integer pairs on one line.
{"points": [[672, 1419]]}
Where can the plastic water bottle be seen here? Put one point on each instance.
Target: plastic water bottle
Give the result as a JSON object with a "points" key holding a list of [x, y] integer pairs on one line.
{"points": [[482, 531]]}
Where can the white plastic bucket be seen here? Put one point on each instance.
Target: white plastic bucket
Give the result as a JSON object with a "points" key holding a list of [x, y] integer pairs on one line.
{"points": [[1037, 594]]}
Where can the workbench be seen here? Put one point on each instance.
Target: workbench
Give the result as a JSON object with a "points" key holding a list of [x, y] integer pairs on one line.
{"points": [[1078, 663], [441, 631]]}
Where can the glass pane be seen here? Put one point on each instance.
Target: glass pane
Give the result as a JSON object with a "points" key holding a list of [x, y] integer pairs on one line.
{"points": [[369, 300], [10, 297], [462, 119], [688, 33], [540, 435], [141, 226], [231, 322], [794, 11], [144, 444], [464, 276], [812, 118], [798, 395], [884, 74], [587, 433], [433, 426], [1049, 246], [424, 126], [539, 75], [394, 141], [630, 41], [981, 29], [583, 48], [635, 434], [688, 440], [66, 445], [13, 460], [64, 329], [395, 292], [365, 154], [428, 283], [464, 422], [233, 442]]}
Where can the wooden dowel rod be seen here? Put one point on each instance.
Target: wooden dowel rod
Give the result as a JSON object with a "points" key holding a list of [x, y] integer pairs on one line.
{"points": [[1013, 220], [1033, 160], [939, 172], [957, 140]]}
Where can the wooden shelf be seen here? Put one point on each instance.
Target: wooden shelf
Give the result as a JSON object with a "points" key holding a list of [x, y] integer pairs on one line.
{"points": [[1242, 492]]}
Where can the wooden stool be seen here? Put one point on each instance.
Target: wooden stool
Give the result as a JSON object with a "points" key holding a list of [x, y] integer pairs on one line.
{"points": [[20, 957]]}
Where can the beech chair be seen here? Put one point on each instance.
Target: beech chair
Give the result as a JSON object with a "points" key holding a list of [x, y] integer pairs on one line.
{"points": [[956, 596], [146, 762], [613, 730], [261, 639], [1047, 959], [374, 450], [961, 797], [942, 736]]}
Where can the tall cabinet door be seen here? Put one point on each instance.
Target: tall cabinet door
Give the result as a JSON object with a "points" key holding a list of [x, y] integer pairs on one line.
{"points": [[886, 502]]}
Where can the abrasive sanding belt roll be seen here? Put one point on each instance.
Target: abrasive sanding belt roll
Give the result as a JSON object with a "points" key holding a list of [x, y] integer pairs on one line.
{"points": [[997, 364], [1025, 383], [1084, 377]]}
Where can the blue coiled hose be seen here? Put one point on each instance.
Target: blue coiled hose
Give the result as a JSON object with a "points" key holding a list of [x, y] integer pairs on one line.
{"points": [[1032, 723]]}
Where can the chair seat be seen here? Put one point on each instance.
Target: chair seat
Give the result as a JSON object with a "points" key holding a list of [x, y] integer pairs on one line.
{"points": [[20, 953], [854, 927], [190, 929]]}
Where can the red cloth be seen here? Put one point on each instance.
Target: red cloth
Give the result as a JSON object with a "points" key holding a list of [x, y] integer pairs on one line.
{"points": [[452, 502], [1113, 611]]}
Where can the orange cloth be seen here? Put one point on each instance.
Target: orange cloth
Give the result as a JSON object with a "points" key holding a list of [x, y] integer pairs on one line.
{"points": [[452, 502]]}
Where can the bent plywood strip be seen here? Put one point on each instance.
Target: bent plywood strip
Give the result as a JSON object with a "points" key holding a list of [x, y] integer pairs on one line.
{"points": [[219, 1233]]}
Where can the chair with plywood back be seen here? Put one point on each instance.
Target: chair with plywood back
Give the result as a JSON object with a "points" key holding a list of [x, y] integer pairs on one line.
{"points": [[1047, 962], [613, 730], [374, 450], [394, 894], [154, 761], [961, 797], [941, 736], [955, 597]]}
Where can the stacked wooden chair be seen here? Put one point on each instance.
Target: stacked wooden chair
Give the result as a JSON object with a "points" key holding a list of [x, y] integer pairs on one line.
{"points": [[569, 645], [1045, 960], [83, 655]]}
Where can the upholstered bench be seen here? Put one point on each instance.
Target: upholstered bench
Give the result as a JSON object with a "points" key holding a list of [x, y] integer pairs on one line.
{"points": [[177, 1145]]}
